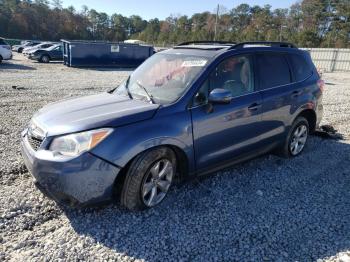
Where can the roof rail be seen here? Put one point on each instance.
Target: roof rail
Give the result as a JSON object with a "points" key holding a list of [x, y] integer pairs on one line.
{"points": [[270, 43], [207, 43]]}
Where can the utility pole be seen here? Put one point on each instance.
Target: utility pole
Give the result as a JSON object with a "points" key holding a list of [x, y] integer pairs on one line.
{"points": [[282, 26], [216, 22], [281, 33]]}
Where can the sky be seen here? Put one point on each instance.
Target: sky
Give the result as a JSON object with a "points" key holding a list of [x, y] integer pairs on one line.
{"points": [[161, 9]]}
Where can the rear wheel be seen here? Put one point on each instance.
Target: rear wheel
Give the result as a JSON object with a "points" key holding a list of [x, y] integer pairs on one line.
{"points": [[45, 59], [296, 139], [148, 179]]}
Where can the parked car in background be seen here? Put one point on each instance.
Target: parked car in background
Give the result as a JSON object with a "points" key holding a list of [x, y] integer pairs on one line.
{"points": [[134, 41], [53, 53], [19, 48], [44, 45], [5, 50], [185, 112]]}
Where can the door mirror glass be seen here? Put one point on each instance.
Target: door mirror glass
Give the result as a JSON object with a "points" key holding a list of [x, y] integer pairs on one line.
{"points": [[220, 96]]}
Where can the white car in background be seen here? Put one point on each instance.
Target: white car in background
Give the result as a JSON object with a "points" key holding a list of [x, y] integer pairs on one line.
{"points": [[5, 50], [30, 49]]}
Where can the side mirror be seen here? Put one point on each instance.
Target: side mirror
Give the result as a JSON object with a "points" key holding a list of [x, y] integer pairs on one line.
{"points": [[220, 96]]}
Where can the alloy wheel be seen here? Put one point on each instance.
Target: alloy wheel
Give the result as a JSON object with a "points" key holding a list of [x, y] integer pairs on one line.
{"points": [[298, 140], [45, 59], [157, 182]]}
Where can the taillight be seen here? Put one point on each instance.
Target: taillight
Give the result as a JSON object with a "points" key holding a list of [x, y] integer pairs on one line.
{"points": [[321, 84]]}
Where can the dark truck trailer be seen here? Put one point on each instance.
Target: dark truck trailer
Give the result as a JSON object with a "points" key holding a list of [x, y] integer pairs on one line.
{"points": [[91, 53]]}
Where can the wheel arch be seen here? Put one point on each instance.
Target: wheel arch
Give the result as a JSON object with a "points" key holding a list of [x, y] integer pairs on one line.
{"points": [[310, 116], [182, 162]]}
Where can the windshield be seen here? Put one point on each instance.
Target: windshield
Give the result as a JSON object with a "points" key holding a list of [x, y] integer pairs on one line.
{"points": [[52, 47], [163, 78]]}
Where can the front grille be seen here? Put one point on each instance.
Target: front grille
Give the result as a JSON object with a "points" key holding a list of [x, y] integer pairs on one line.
{"points": [[34, 142]]}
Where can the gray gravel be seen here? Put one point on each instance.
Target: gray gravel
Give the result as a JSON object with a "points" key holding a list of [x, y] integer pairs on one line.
{"points": [[267, 209]]}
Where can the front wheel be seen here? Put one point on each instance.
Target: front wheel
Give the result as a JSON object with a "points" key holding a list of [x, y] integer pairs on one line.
{"points": [[148, 179], [45, 59], [296, 139]]}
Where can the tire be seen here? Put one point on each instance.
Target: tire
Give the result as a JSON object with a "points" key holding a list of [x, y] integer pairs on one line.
{"points": [[142, 182], [294, 145], [20, 50], [0, 59], [45, 59]]}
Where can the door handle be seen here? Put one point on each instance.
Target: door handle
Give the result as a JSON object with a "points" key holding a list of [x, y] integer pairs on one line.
{"points": [[254, 107], [296, 93]]}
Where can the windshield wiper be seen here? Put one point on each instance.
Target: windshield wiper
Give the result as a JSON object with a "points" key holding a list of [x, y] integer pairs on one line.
{"points": [[127, 88], [149, 96]]}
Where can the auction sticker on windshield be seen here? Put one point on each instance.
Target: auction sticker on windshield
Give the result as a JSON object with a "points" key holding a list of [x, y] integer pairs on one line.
{"points": [[191, 63]]}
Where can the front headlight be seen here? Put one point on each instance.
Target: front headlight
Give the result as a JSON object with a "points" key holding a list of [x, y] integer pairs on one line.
{"points": [[75, 144]]}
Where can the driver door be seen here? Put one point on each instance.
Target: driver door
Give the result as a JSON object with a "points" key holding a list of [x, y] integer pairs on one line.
{"points": [[224, 132], [57, 53]]}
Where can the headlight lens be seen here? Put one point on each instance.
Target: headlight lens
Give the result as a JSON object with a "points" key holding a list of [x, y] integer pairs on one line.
{"points": [[75, 144]]}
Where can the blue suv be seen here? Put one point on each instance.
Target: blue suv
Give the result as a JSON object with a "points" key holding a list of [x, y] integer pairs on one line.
{"points": [[185, 112]]}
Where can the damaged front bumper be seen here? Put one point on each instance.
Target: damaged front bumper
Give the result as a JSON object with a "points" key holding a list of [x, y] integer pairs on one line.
{"points": [[78, 181]]}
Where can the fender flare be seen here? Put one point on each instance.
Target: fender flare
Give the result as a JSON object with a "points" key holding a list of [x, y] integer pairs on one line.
{"points": [[152, 143], [307, 106]]}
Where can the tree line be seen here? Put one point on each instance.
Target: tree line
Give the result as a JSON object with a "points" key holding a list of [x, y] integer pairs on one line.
{"points": [[308, 23]]}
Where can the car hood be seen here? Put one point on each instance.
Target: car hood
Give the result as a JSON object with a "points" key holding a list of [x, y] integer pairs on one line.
{"points": [[89, 112]]}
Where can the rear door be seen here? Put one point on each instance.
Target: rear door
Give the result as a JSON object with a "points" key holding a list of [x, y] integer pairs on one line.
{"points": [[224, 132], [278, 94]]}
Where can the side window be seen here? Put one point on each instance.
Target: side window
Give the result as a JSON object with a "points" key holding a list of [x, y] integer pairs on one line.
{"points": [[234, 74], [301, 69], [273, 70]]}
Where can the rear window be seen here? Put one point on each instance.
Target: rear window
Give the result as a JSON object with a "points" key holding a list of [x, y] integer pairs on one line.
{"points": [[273, 70], [300, 67]]}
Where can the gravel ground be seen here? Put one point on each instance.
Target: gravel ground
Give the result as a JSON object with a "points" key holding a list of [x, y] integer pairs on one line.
{"points": [[268, 209]]}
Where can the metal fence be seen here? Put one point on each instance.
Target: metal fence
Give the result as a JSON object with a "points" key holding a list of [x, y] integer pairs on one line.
{"points": [[330, 59]]}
